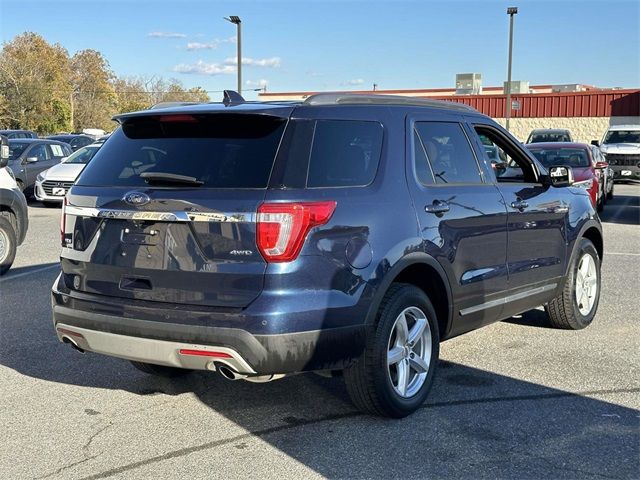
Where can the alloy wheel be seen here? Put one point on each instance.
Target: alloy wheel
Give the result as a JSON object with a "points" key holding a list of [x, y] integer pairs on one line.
{"points": [[409, 352], [586, 284]]}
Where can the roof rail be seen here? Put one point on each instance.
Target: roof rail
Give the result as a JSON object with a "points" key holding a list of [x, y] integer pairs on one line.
{"points": [[338, 98]]}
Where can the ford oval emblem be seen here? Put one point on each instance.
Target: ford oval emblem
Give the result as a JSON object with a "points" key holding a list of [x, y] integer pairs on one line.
{"points": [[136, 198]]}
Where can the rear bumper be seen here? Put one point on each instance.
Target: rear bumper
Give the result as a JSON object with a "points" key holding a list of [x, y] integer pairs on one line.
{"points": [[159, 341]]}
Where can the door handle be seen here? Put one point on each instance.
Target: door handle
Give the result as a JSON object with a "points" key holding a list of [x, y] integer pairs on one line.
{"points": [[438, 208], [519, 205]]}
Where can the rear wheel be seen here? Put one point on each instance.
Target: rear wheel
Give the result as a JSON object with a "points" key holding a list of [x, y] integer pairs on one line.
{"points": [[160, 370], [575, 307], [395, 372], [8, 242], [610, 193]]}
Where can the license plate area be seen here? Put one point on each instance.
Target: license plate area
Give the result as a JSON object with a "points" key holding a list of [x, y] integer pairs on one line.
{"points": [[139, 234]]}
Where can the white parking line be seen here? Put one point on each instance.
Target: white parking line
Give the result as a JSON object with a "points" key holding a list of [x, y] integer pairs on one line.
{"points": [[623, 253], [22, 274]]}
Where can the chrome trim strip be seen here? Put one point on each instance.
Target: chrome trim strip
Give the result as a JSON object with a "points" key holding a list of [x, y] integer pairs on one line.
{"points": [[508, 299], [148, 350], [172, 216]]}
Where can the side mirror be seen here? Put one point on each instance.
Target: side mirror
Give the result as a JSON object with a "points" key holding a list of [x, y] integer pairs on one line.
{"points": [[4, 151], [561, 176], [595, 142], [602, 165], [31, 159]]}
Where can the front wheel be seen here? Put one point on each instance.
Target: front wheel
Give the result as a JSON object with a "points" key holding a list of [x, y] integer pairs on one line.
{"points": [[394, 374], [8, 242], [575, 307]]}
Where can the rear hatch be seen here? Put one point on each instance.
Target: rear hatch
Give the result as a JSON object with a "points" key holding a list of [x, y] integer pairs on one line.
{"points": [[166, 210]]}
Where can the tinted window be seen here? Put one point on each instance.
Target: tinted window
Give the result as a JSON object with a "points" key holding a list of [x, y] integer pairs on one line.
{"points": [[344, 153], [40, 152], [222, 151], [328, 153], [622, 136], [549, 137], [16, 149], [448, 152], [568, 157], [83, 155]]}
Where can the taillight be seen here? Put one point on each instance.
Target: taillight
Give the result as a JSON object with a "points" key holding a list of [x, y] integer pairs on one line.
{"points": [[283, 227], [63, 220]]}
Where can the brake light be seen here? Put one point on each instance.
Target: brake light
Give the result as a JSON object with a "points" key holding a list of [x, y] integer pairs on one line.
{"points": [[283, 227], [63, 220], [178, 118]]}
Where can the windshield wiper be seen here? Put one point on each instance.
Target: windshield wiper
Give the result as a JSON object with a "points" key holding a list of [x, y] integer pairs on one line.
{"points": [[170, 178]]}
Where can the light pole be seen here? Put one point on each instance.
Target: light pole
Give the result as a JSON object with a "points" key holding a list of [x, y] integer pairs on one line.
{"points": [[235, 19], [511, 11]]}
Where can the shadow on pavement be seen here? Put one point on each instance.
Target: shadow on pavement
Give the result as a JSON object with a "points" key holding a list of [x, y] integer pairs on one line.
{"points": [[622, 209], [476, 424]]}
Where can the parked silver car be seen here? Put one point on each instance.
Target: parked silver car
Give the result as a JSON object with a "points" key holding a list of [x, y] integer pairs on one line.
{"points": [[52, 185]]}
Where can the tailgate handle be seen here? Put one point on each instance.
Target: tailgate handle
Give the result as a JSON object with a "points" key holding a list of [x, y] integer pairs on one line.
{"points": [[135, 283]]}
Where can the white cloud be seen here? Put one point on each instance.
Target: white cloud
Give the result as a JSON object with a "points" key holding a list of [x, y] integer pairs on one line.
{"points": [[212, 45], [166, 35], [352, 83], [262, 83], [204, 68], [273, 62]]}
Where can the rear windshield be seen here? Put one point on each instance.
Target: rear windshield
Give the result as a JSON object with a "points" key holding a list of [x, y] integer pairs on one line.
{"points": [[549, 137], [328, 153], [622, 136], [221, 151], [568, 157]]}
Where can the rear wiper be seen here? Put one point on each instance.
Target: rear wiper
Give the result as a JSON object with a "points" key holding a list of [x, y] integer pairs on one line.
{"points": [[169, 178]]}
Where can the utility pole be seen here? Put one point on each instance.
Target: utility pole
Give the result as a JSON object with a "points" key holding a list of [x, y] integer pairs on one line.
{"points": [[511, 11], [236, 20]]}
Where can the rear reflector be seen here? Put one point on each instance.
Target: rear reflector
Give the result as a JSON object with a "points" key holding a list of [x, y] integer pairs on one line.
{"points": [[283, 227], [63, 220], [204, 353]]}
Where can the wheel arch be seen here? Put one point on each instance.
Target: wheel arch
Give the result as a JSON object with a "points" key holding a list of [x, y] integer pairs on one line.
{"points": [[426, 273]]}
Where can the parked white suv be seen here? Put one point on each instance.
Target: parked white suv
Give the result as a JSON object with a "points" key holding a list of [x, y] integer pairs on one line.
{"points": [[621, 147], [13, 211]]}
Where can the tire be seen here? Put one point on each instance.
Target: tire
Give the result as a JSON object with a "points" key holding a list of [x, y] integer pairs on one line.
{"points": [[610, 194], [160, 370], [371, 383], [565, 311], [8, 242], [600, 204]]}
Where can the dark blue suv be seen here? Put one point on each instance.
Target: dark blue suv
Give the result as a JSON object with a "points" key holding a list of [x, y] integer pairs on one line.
{"points": [[345, 233]]}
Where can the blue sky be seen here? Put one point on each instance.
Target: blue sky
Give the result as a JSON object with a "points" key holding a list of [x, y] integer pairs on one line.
{"points": [[330, 45]]}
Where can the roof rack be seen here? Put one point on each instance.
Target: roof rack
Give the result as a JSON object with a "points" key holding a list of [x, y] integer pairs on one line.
{"points": [[338, 98]]}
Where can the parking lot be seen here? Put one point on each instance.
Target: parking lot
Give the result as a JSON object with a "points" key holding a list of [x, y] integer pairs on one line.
{"points": [[515, 399]]}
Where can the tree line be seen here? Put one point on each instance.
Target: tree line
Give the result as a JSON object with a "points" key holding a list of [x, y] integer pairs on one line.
{"points": [[44, 89]]}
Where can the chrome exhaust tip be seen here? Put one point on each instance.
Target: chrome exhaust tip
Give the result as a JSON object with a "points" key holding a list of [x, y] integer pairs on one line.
{"points": [[73, 344], [229, 373]]}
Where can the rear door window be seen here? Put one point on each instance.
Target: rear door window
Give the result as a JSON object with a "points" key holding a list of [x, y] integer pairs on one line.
{"points": [[328, 153], [221, 151], [448, 152]]}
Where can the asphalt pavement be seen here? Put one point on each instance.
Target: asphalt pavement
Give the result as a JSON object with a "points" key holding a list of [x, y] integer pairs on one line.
{"points": [[516, 399]]}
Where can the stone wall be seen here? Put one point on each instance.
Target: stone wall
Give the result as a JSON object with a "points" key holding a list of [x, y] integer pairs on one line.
{"points": [[583, 129]]}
